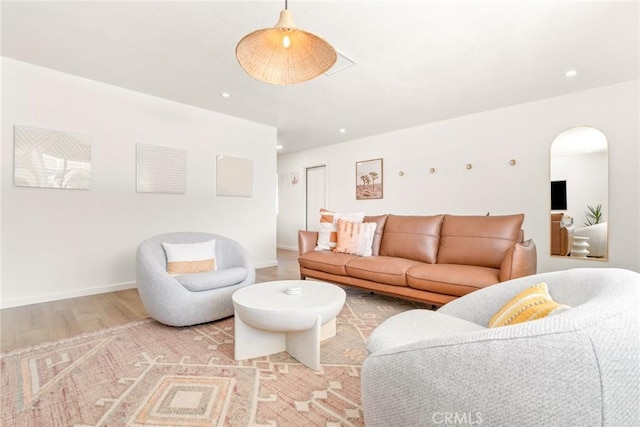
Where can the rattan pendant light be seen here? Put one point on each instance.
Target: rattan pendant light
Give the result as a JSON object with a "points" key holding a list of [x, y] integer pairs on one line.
{"points": [[284, 54]]}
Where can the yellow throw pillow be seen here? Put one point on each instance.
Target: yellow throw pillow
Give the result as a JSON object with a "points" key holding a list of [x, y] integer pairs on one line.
{"points": [[531, 304], [185, 258]]}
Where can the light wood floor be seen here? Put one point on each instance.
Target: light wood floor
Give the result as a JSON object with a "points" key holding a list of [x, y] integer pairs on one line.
{"points": [[37, 323]]}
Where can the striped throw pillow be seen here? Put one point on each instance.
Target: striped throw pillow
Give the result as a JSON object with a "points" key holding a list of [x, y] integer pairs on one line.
{"points": [[355, 237], [190, 257], [531, 304], [328, 229]]}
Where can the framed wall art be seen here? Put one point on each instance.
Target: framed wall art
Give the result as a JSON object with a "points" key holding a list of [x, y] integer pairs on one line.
{"points": [[161, 169], [51, 159], [369, 179], [295, 178]]}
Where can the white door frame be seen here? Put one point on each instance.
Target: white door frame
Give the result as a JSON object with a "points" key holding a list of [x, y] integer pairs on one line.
{"points": [[306, 193]]}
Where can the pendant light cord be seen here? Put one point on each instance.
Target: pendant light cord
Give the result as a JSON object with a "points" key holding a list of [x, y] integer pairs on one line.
{"points": [[285, 5]]}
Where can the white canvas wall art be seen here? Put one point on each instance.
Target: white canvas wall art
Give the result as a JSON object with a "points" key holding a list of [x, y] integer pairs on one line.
{"points": [[51, 159], [161, 169], [234, 176]]}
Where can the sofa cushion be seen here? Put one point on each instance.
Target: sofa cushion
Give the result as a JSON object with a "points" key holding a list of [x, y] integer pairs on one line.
{"points": [[451, 279], [328, 227], [416, 325], [329, 262], [212, 279], [190, 257], [478, 240], [412, 237], [557, 216], [380, 220], [355, 237], [381, 269]]}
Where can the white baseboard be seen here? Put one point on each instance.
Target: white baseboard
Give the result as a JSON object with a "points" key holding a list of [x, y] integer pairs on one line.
{"points": [[266, 265], [288, 248], [16, 302]]}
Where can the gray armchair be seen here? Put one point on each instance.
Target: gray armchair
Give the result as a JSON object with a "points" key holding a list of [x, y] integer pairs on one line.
{"points": [[191, 298], [577, 368]]}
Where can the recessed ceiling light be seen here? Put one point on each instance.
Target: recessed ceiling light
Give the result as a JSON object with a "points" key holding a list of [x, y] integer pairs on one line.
{"points": [[279, 147], [225, 94], [343, 130], [571, 73]]}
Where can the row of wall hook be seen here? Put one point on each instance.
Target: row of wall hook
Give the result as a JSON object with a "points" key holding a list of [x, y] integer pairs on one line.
{"points": [[512, 162]]}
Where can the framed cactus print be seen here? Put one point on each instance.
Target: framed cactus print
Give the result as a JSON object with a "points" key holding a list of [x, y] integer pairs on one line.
{"points": [[369, 179]]}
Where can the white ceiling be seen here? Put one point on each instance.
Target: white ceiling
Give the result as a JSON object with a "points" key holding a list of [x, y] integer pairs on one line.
{"points": [[418, 61]]}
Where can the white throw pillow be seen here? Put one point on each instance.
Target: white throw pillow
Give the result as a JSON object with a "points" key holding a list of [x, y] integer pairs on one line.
{"points": [[190, 257], [328, 230], [355, 237]]}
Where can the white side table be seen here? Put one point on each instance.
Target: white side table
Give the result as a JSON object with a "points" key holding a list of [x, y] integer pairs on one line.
{"points": [[268, 320], [580, 247]]}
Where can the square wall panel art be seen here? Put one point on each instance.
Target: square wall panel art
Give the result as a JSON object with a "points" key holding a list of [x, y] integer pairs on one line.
{"points": [[234, 176], [51, 159], [161, 169]]}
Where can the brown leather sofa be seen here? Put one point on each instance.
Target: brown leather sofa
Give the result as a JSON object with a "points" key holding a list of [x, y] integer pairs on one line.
{"points": [[560, 239], [434, 259]]}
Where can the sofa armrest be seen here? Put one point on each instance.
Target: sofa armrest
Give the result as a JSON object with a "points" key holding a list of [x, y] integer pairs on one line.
{"points": [[521, 260], [491, 376], [307, 241]]}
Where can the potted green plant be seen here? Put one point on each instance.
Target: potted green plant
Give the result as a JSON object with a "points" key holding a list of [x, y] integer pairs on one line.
{"points": [[594, 215]]}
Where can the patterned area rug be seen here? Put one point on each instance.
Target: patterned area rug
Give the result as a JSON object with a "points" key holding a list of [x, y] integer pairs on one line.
{"points": [[148, 374]]}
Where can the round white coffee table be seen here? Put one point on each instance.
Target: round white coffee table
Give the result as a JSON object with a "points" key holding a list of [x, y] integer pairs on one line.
{"points": [[268, 320]]}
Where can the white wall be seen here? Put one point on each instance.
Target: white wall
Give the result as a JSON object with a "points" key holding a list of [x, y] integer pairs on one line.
{"points": [[1, 181], [488, 141], [65, 243]]}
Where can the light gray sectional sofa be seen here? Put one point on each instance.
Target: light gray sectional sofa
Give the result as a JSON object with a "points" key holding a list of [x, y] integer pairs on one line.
{"points": [[577, 368]]}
